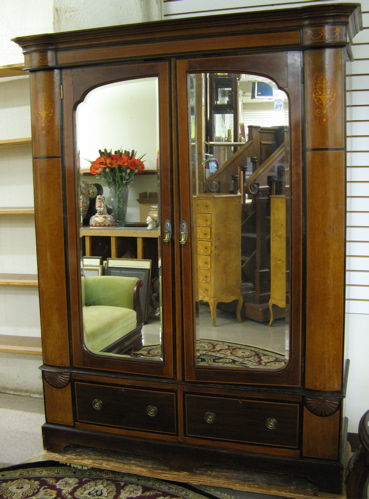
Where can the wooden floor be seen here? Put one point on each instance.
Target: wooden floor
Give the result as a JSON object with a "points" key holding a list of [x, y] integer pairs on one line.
{"points": [[273, 485]]}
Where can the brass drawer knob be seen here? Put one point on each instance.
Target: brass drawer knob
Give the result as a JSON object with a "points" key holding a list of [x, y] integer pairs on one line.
{"points": [[97, 404], [210, 417], [271, 424], [151, 411]]}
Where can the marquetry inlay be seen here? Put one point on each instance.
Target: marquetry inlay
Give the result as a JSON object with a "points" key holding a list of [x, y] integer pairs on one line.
{"points": [[324, 34], [324, 97], [45, 114]]}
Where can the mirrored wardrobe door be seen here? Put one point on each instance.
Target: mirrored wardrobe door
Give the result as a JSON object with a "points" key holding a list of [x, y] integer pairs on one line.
{"points": [[117, 155], [237, 222]]}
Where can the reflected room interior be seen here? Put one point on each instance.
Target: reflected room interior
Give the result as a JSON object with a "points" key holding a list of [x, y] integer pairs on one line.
{"points": [[240, 164], [239, 149]]}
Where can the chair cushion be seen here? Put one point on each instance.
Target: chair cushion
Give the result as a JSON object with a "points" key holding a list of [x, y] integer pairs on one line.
{"points": [[103, 325]]}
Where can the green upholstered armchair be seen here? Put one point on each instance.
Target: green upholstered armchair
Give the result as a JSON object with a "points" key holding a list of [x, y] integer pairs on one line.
{"points": [[112, 316]]}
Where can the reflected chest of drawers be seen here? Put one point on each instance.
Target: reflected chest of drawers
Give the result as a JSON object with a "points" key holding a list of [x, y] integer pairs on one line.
{"points": [[218, 248]]}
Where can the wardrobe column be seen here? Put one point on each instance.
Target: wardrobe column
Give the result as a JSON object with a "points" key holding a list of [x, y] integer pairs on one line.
{"points": [[325, 258], [48, 184]]}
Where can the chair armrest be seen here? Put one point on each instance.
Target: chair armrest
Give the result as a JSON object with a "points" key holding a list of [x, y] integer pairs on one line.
{"points": [[137, 302]]}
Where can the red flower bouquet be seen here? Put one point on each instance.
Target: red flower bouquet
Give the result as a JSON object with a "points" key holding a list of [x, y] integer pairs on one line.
{"points": [[117, 169]]}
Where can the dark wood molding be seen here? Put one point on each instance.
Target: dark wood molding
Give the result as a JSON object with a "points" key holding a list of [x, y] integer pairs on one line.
{"points": [[57, 379], [322, 407]]}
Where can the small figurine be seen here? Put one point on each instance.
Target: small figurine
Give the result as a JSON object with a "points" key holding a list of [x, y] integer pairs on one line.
{"points": [[151, 223], [152, 219], [102, 218]]}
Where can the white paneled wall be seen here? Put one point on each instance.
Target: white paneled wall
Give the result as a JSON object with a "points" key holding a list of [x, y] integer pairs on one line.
{"points": [[357, 276], [187, 8]]}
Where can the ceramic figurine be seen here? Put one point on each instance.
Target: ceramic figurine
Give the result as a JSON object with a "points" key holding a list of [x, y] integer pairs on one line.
{"points": [[102, 218]]}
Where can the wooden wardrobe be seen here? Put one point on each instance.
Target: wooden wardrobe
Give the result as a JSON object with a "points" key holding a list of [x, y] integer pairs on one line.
{"points": [[175, 405]]}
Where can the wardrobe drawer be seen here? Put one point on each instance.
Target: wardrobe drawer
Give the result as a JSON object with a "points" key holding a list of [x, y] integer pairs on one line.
{"points": [[203, 205], [203, 232], [240, 420], [126, 407], [204, 289], [204, 275], [204, 219], [204, 262], [204, 247]]}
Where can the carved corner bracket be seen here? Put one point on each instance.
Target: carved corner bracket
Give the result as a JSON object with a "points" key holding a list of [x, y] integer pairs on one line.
{"points": [[322, 407], [57, 379]]}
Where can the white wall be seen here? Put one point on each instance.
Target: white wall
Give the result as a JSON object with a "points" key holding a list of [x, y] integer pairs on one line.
{"points": [[22, 17], [30, 17], [80, 14]]}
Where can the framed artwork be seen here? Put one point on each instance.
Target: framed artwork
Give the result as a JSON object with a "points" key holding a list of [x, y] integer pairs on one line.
{"points": [[91, 260], [92, 270], [134, 268]]}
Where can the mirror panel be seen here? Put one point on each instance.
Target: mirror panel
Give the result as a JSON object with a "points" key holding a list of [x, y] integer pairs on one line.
{"points": [[239, 149], [120, 317]]}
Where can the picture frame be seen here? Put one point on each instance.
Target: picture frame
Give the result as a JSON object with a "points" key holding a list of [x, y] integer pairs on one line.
{"points": [[91, 260], [134, 268], [92, 270]]}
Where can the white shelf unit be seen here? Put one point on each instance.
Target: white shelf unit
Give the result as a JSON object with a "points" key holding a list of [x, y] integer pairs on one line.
{"points": [[19, 308]]}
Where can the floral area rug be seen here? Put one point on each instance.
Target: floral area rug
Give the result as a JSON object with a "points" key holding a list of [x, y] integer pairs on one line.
{"points": [[50, 480], [225, 354]]}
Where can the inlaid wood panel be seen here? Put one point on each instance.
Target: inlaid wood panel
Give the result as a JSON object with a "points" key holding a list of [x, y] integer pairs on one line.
{"points": [[324, 98], [51, 261], [45, 113], [321, 436], [325, 269], [58, 405]]}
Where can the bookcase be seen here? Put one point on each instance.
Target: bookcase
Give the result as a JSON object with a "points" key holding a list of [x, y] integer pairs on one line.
{"points": [[19, 332]]}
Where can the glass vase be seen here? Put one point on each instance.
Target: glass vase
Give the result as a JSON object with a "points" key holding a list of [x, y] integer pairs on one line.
{"points": [[119, 201]]}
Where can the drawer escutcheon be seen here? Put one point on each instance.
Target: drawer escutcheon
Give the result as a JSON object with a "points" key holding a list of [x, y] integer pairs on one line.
{"points": [[271, 423], [97, 404], [210, 417], [151, 410]]}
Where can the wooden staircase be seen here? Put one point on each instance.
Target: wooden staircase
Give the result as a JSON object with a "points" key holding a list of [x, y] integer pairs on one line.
{"points": [[258, 170]]}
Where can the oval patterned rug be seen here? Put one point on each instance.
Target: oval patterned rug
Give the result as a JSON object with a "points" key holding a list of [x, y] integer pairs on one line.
{"points": [[218, 353], [50, 480]]}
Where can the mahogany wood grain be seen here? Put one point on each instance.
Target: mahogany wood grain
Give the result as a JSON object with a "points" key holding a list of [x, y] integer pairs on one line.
{"points": [[58, 405], [317, 430], [45, 114], [325, 269], [51, 261], [324, 98]]}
